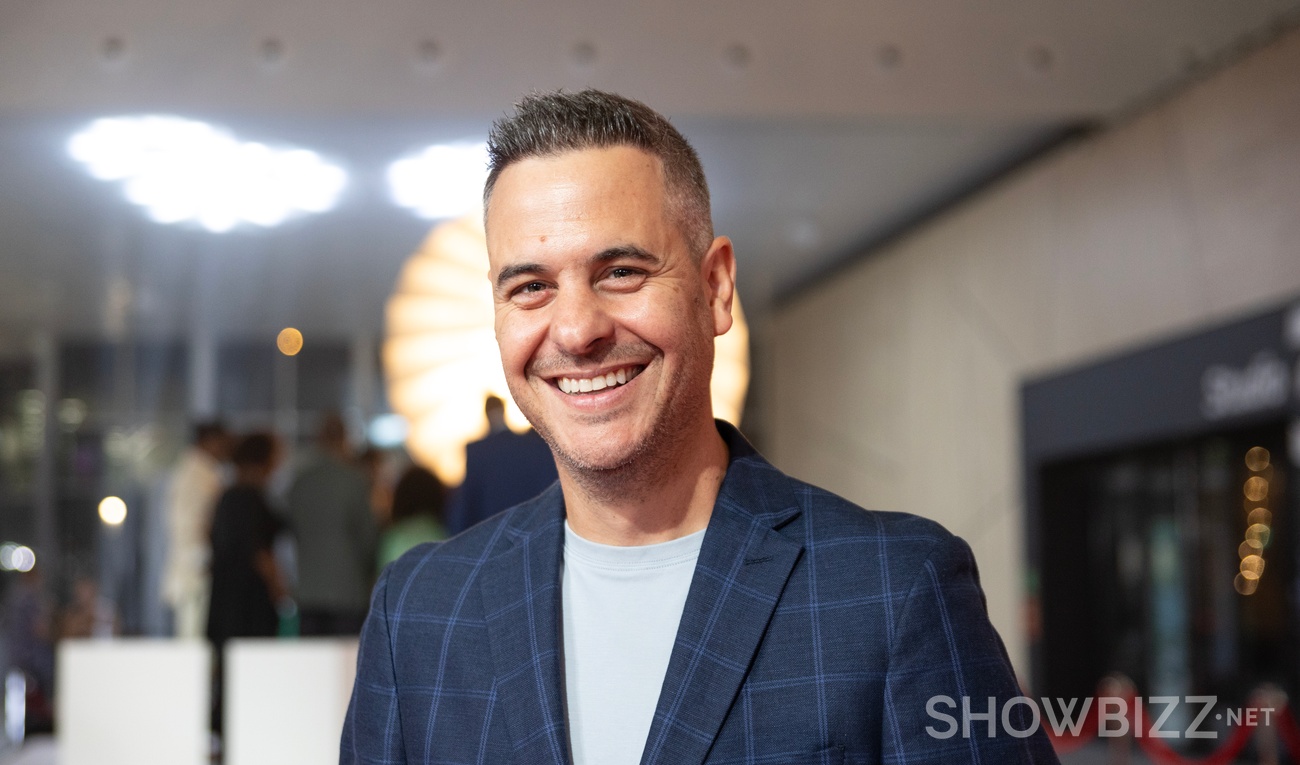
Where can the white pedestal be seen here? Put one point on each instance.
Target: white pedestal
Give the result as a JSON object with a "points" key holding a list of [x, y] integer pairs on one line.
{"points": [[127, 702], [286, 699]]}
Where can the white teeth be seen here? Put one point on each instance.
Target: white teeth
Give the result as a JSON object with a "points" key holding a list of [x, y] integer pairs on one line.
{"points": [[608, 380]]}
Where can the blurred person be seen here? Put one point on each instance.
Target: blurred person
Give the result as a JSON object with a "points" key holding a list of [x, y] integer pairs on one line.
{"points": [[674, 598], [373, 464], [501, 470], [336, 533], [416, 517], [191, 494], [247, 584], [88, 614], [28, 618]]}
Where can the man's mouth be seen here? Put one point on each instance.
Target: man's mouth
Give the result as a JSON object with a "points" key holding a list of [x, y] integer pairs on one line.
{"points": [[611, 379]]}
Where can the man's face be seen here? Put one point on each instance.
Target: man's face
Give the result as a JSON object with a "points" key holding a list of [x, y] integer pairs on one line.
{"points": [[219, 446], [604, 320]]}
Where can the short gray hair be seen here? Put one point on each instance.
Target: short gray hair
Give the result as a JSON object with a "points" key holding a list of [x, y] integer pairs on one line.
{"points": [[546, 124]]}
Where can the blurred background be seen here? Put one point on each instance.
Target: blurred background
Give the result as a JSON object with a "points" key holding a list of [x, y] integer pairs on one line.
{"points": [[1027, 268]]}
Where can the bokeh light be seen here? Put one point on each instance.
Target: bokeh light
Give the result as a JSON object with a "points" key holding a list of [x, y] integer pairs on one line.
{"points": [[112, 511], [387, 431], [289, 341], [1245, 585], [1259, 534], [16, 557], [1252, 565], [1256, 489], [1260, 515], [1257, 459], [24, 559]]}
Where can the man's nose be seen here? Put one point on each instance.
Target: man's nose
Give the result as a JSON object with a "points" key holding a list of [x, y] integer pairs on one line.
{"points": [[579, 322]]}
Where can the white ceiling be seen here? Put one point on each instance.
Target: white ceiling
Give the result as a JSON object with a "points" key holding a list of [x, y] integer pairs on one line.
{"points": [[824, 125]]}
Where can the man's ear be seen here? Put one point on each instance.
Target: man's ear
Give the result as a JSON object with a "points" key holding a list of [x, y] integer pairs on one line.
{"points": [[718, 269]]}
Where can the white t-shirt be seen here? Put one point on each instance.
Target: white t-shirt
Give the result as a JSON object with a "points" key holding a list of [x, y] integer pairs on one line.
{"points": [[621, 608]]}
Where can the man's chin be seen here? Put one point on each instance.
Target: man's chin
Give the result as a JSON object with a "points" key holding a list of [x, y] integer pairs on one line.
{"points": [[596, 452]]}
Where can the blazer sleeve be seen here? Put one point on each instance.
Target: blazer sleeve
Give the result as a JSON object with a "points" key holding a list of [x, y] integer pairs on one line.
{"points": [[946, 658], [372, 730]]}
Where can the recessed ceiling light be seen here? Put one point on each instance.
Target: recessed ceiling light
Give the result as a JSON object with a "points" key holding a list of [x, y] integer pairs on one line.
{"points": [[888, 57], [583, 54], [1040, 59], [737, 56], [183, 170], [112, 49], [271, 51], [428, 54], [442, 181]]}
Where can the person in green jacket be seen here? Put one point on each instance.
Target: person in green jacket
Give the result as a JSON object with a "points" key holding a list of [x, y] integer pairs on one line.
{"points": [[417, 517]]}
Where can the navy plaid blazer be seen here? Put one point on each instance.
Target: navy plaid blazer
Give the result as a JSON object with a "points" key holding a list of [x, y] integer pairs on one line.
{"points": [[814, 632]]}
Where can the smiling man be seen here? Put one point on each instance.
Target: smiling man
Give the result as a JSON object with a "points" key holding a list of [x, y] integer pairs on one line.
{"points": [[673, 598]]}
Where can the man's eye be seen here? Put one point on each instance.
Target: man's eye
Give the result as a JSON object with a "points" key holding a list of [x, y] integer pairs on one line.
{"points": [[622, 272], [529, 288], [529, 293]]}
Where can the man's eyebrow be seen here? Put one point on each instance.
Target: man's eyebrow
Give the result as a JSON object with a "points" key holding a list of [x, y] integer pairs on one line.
{"points": [[624, 252], [510, 273]]}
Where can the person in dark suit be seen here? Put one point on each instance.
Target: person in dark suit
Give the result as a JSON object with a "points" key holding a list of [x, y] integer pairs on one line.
{"points": [[673, 598], [502, 469]]}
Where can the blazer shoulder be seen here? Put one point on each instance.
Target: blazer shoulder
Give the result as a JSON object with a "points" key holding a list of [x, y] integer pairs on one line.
{"points": [[763, 488], [894, 552], [833, 515]]}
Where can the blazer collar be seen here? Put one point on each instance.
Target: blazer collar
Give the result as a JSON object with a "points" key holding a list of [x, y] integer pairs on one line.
{"points": [[520, 587], [745, 562], [743, 566]]}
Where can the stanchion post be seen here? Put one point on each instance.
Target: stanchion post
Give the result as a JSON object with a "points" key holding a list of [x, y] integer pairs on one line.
{"points": [[1119, 749], [1267, 743]]}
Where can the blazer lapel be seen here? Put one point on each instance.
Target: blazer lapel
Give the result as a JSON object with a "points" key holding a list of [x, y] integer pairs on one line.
{"points": [[521, 601], [743, 567]]}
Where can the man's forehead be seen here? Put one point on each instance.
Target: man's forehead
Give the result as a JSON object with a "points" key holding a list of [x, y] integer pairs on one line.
{"points": [[540, 196]]}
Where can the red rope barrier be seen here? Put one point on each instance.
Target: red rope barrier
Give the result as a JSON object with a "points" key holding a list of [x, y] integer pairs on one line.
{"points": [[1162, 754]]}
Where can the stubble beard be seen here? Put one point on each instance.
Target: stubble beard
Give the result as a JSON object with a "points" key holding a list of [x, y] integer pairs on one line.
{"points": [[652, 457]]}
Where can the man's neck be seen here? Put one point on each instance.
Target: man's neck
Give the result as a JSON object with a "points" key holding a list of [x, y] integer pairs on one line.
{"points": [[655, 500]]}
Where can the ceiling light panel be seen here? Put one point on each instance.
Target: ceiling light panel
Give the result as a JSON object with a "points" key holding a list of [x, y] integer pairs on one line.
{"points": [[443, 181], [182, 170]]}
